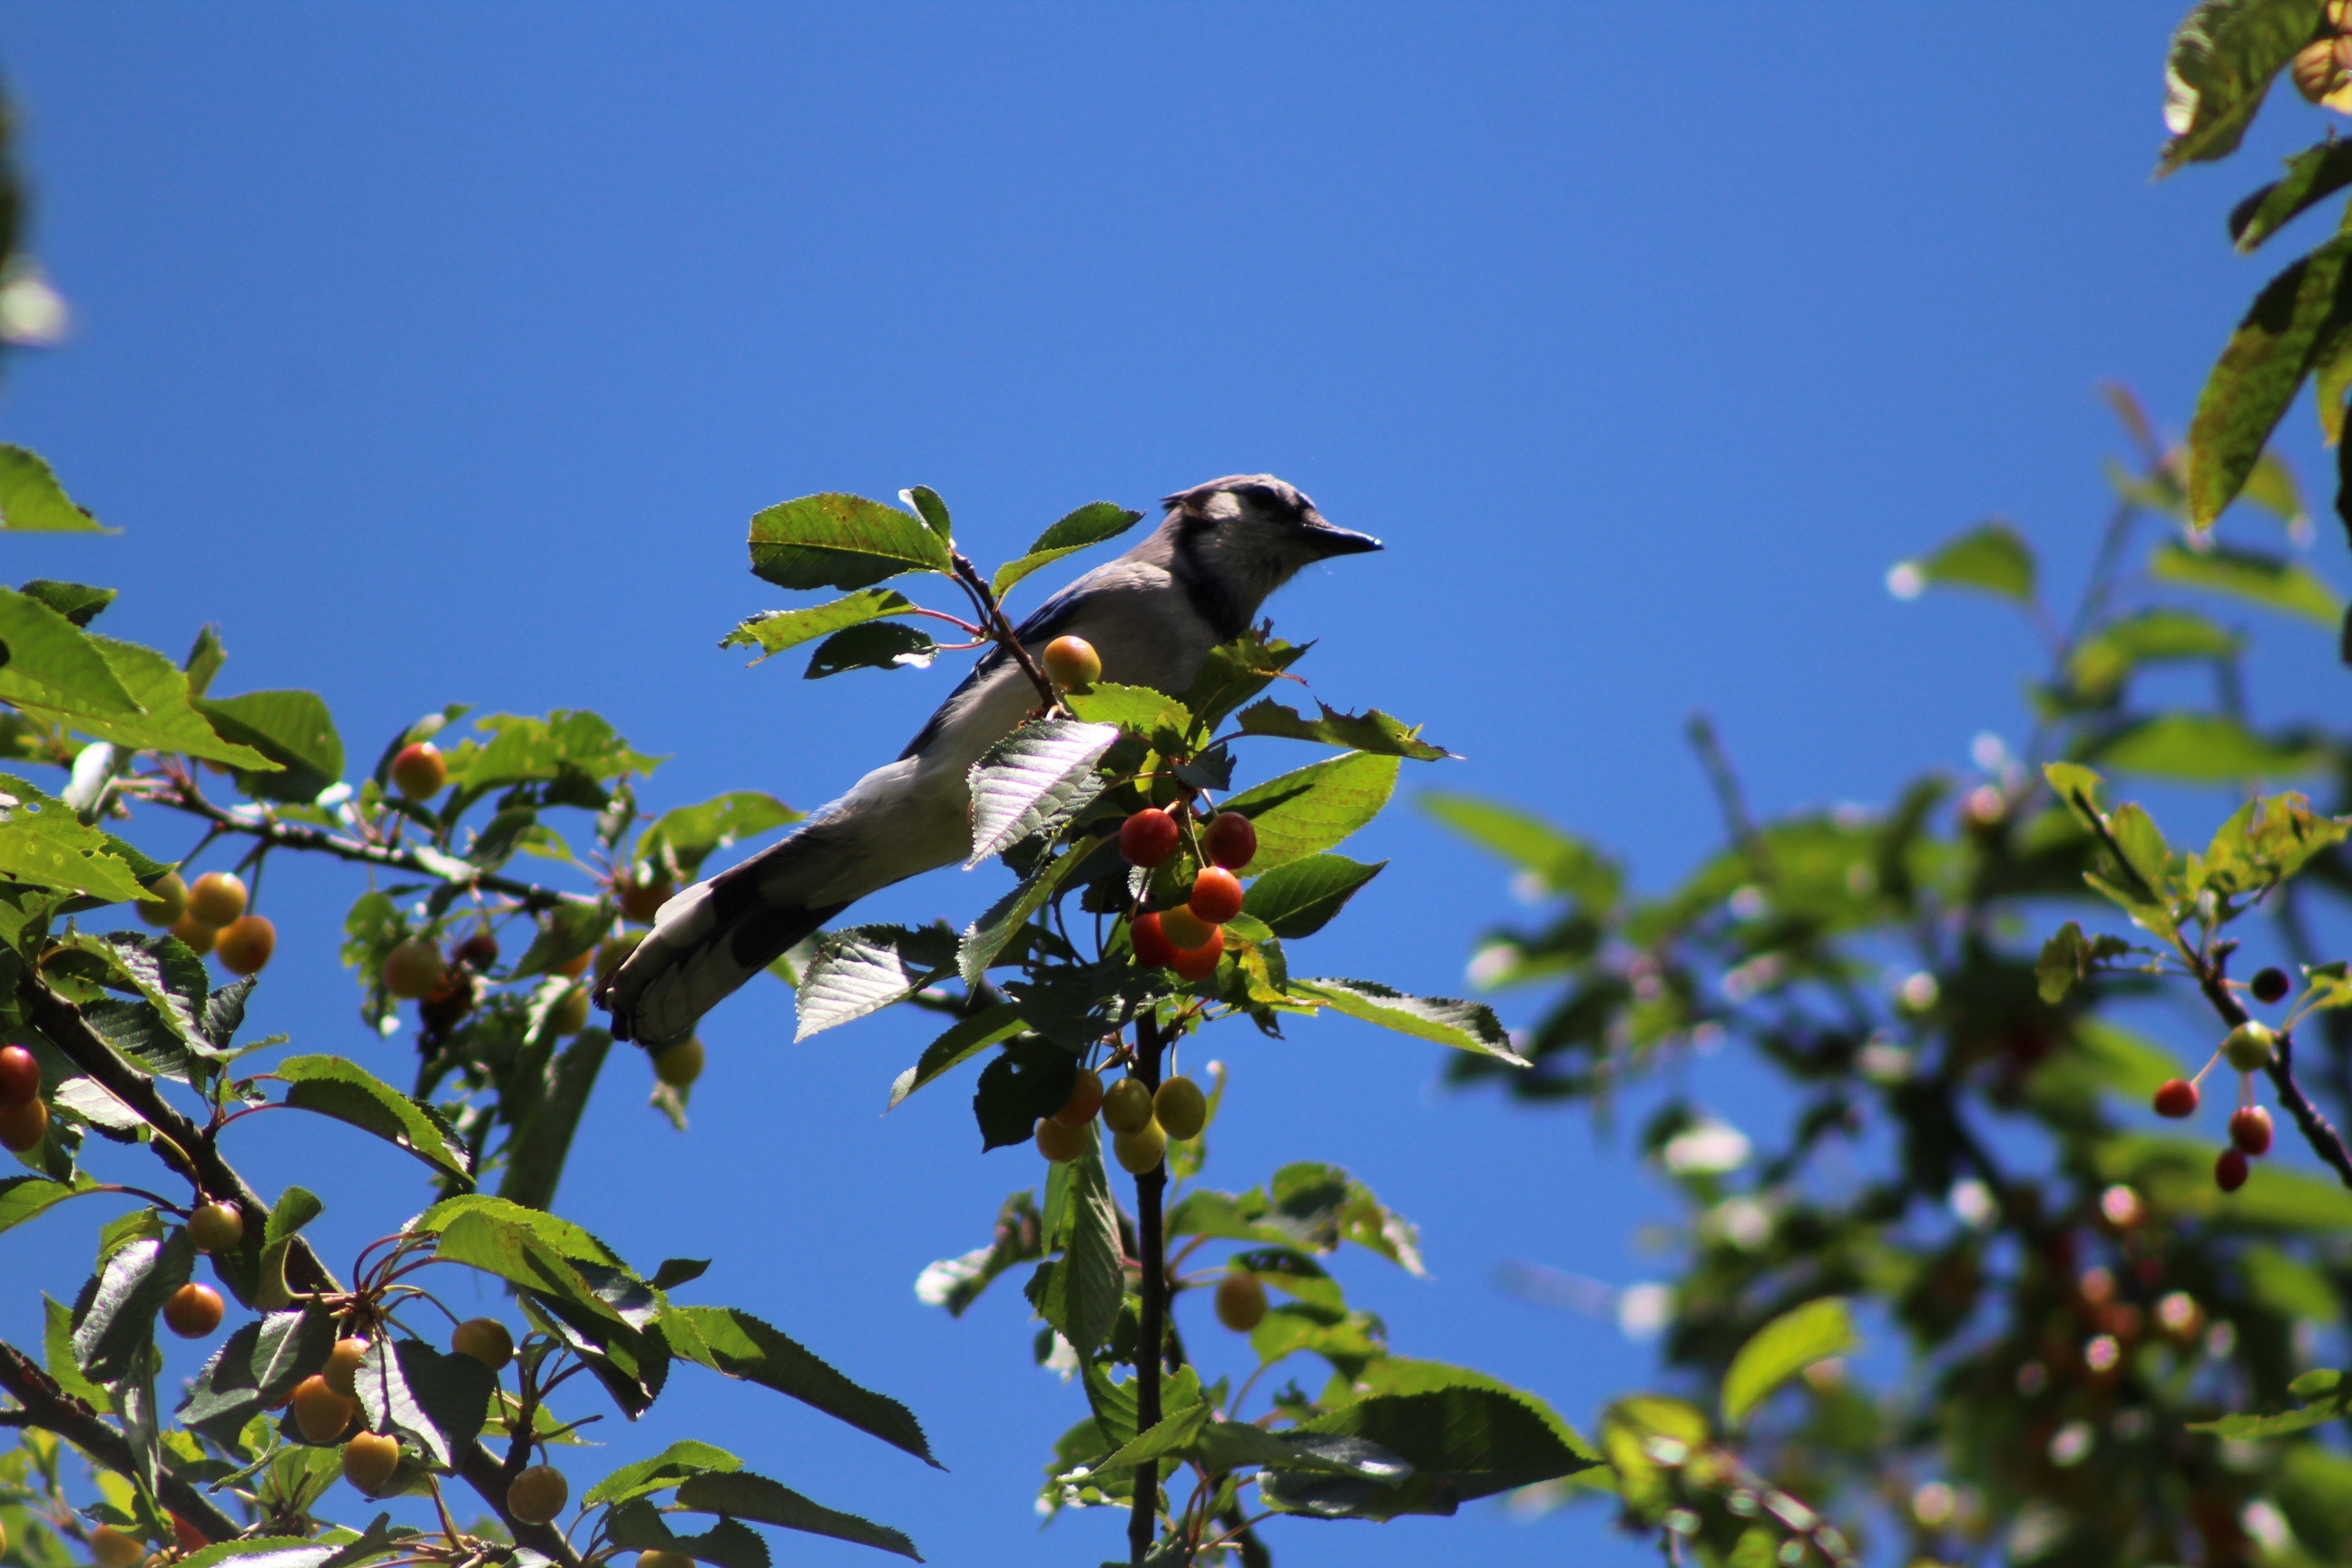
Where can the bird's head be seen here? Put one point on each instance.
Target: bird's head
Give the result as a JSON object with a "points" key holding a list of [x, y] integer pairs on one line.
{"points": [[1247, 535]]}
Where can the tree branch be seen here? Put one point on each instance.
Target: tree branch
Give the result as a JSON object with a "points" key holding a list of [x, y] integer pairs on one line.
{"points": [[1001, 629], [1151, 1244], [2318, 1132], [52, 1409]]}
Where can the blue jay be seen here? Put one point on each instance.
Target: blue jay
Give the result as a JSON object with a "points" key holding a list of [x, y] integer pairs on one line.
{"points": [[1153, 615]]}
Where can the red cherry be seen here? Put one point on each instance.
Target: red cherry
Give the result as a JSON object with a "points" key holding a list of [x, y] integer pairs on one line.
{"points": [[1216, 895], [2250, 1130], [1230, 840], [1147, 837], [1200, 963], [1152, 947], [2176, 1098], [20, 1078], [2229, 1171]]}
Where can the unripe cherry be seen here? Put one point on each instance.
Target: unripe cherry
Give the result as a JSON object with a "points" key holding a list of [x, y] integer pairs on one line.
{"points": [[538, 1495], [1139, 1151], [486, 1340], [659, 1558], [2251, 1130], [23, 1128], [2250, 1046], [1085, 1098], [20, 1077], [321, 1414], [419, 769], [1148, 837], [2229, 1170], [414, 969], [1216, 895], [1072, 662], [193, 934], [2176, 1098], [1230, 840], [1127, 1106], [369, 1460], [1185, 929], [1241, 1301], [2271, 986], [168, 904], [344, 1358], [244, 945], [642, 896], [1180, 1108], [217, 1228], [569, 1014], [1060, 1141], [679, 1065], [193, 1311], [217, 898], [1200, 963]]}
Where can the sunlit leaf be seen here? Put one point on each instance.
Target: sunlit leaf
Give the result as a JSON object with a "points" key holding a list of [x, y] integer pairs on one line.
{"points": [[2220, 66], [837, 540], [2251, 575], [2259, 373], [1783, 1348], [31, 499]]}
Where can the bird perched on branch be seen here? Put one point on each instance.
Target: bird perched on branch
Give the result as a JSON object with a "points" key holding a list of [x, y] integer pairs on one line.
{"points": [[1153, 615]]}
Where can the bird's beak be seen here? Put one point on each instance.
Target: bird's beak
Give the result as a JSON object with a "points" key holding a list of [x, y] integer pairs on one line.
{"points": [[1329, 540]]}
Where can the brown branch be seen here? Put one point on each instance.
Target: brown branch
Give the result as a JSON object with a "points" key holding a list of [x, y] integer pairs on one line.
{"points": [[52, 1409], [1151, 1317], [2318, 1132], [275, 834], [1001, 629], [189, 1151]]}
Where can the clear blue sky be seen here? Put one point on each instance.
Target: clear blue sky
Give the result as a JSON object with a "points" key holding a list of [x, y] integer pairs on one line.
{"points": [[440, 354]]}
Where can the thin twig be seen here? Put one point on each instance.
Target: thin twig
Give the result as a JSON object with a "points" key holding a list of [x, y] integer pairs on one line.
{"points": [[1151, 1242], [969, 575]]}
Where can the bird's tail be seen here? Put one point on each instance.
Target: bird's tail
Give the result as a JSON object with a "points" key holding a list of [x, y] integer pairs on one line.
{"points": [[716, 935]]}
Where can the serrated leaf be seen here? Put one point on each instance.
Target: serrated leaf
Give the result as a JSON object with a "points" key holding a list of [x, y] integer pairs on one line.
{"points": [[255, 1369], [1374, 731], [1783, 1348], [437, 1400], [2219, 69], [541, 1140], [863, 969], [838, 541], [740, 1345], [47, 646], [1152, 716], [739, 1494], [773, 631], [1028, 1079], [166, 722], [568, 930], [727, 1544], [665, 1469], [925, 502], [1301, 898], [1465, 1025], [2312, 177], [32, 500], [986, 937], [1088, 526], [1463, 1441], [963, 1040], [2257, 374], [1313, 809], [341, 1088], [293, 729], [29, 1198], [61, 853], [76, 602], [1032, 779], [114, 1318], [875, 645]]}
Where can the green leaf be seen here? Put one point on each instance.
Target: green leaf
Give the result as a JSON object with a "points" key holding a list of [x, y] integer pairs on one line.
{"points": [[2264, 842], [2251, 575], [542, 1139], [986, 937], [2257, 374], [1301, 898], [1783, 1348], [294, 1209], [1081, 530], [1374, 731], [773, 631], [875, 645], [674, 1464], [1154, 716], [438, 1400], [293, 729], [727, 1544], [1463, 1441], [272, 1552], [31, 499], [341, 1088], [739, 1494], [58, 1354], [76, 602], [164, 972], [567, 931], [2070, 957], [167, 722], [44, 644], [963, 1040], [114, 1317], [28, 1197], [740, 1345], [1030, 1078], [955, 1283], [1092, 1271], [44, 843], [1233, 672], [2100, 663], [1560, 863], [863, 969], [255, 1369], [1032, 780], [1994, 558], [2220, 66], [2204, 748], [1311, 1205], [1465, 1025], [2326, 1394], [569, 748], [925, 503], [1313, 809], [837, 540]]}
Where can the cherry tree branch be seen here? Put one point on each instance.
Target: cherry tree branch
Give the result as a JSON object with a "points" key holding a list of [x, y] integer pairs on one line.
{"points": [[52, 1409]]}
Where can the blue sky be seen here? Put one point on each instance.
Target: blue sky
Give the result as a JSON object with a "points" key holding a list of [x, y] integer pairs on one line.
{"points": [[440, 355]]}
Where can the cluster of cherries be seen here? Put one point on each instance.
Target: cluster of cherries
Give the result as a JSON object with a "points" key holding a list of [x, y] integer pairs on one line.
{"points": [[1190, 937], [211, 917], [2250, 1048]]}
